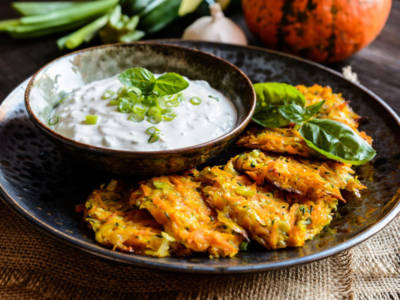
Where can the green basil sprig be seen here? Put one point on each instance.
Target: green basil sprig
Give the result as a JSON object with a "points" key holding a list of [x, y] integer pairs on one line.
{"points": [[145, 97], [280, 104], [143, 79]]}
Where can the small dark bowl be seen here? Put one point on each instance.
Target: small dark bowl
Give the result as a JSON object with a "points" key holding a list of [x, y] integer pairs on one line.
{"points": [[84, 66]]}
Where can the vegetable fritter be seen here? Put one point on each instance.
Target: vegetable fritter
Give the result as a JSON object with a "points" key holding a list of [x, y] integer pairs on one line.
{"points": [[176, 203], [273, 218], [315, 180], [335, 107], [288, 140], [119, 225]]}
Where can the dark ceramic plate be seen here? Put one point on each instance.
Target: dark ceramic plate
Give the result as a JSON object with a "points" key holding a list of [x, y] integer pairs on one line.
{"points": [[44, 186]]}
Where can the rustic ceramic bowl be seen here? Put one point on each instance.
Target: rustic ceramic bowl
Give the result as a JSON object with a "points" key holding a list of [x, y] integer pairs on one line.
{"points": [[88, 65]]}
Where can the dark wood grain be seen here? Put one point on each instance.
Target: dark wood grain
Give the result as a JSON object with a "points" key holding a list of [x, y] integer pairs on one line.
{"points": [[378, 65]]}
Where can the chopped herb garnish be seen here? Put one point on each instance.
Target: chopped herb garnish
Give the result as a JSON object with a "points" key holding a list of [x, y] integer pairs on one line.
{"points": [[145, 97], [91, 119], [195, 100], [153, 138], [136, 117], [169, 116], [154, 133], [152, 130], [108, 95], [53, 120], [213, 97]]}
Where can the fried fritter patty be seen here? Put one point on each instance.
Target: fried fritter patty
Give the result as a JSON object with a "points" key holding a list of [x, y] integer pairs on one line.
{"points": [[273, 218], [121, 226], [176, 203], [289, 140], [335, 106], [313, 180]]}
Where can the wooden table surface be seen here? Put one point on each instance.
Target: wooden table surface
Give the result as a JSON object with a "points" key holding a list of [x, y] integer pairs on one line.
{"points": [[378, 65]]}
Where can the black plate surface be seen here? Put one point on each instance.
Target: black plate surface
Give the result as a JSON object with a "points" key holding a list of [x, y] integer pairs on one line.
{"points": [[44, 186]]}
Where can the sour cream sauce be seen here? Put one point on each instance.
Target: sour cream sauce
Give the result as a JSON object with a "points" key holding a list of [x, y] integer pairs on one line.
{"points": [[194, 124]]}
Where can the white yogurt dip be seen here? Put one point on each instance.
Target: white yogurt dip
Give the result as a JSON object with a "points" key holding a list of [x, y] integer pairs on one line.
{"points": [[193, 124]]}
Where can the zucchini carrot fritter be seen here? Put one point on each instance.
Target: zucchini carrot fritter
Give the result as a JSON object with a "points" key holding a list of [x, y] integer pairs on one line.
{"points": [[176, 203], [335, 106], [312, 179], [124, 227], [273, 218]]}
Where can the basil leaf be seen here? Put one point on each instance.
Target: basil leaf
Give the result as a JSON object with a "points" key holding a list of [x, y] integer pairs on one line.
{"points": [[292, 112], [138, 77], [313, 109], [336, 141], [276, 93], [169, 84], [270, 117], [272, 95], [297, 114]]}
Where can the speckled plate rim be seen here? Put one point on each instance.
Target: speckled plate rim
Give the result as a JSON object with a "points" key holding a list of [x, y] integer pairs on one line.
{"points": [[154, 263]]}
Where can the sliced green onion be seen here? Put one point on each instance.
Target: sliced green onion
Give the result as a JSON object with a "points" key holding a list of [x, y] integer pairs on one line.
{"points": [[91, 119], [153, 138], [172, 102], [136, 117], [154, 133], [108, 95], [169, 116], [152, 130], [154, 115], [195, 100], [213, 97], [53, 120], [139, 108], [124, 105], [161, 103], [180, 97], [113, 102]]}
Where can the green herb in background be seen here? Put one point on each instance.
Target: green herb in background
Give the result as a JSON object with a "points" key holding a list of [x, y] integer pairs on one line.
{"points": [[280, 104]]}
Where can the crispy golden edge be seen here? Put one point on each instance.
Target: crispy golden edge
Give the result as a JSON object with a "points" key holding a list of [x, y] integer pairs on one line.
{"points": [[312, 179], [277, 140]]}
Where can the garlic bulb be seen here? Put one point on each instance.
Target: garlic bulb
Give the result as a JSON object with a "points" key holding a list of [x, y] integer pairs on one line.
{"points": [[215, 28]]}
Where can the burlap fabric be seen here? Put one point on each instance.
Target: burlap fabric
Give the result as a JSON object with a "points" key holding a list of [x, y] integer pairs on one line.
{"points": [[35, 266]]}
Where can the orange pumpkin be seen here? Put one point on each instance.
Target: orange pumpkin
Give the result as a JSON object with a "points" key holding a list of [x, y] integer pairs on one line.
{"points": [[321, 30]]}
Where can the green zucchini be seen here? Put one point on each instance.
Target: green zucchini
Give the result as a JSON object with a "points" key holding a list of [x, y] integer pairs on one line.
{"points": [[133, 7], [160, 16]]}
